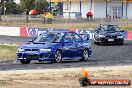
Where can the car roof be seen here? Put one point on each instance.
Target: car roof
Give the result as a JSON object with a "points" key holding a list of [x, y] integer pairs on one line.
{"points": [[108, 24], [60, 31]]}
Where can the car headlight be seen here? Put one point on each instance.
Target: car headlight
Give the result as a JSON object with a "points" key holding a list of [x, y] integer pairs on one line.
{"points": [[44, 50], [102, 36], [119, 36], [21, 50]]}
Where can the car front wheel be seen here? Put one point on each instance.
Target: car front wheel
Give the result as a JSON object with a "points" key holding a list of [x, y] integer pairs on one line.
{"points": [[95, 42], [121, 43], [85, 55], [58, 56], [25, 61]]}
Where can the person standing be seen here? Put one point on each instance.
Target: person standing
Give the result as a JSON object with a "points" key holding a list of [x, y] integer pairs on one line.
{"points": [[89, 16], [27, 14]]}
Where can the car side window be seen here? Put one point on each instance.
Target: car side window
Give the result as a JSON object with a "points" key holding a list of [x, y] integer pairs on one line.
{"points": [[77, 38], [68, 37]]}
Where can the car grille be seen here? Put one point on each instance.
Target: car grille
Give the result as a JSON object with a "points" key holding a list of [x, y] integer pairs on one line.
{"points": [[19, 55], [31, 49], [30, 56], [111, 36]]}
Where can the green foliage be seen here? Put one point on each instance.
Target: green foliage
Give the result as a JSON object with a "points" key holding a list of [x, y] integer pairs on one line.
{"points": [[41, 6], [11, 8], [27, 4], [20, 8]]}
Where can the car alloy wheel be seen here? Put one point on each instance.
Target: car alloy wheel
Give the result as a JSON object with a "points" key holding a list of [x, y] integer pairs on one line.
{"points": [[25, 61], [58, 56], [85, 55]]}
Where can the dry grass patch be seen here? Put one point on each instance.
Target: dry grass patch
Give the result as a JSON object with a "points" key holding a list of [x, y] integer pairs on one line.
{"points": [[63, 78], [63, 25], [7, 52]]}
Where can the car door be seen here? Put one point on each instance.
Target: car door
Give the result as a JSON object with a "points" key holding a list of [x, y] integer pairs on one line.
{"points": [[69, 47], [78, 45]]}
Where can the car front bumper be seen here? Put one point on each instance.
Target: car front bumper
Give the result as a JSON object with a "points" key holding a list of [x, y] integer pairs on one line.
{"points": [[110, 40], [36, 56]]}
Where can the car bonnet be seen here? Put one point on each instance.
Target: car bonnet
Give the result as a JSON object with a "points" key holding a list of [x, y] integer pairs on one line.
{"points": [[38, 46]]}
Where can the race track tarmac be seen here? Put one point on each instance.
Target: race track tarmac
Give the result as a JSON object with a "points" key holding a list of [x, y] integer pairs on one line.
{"points": [[104, 55]]}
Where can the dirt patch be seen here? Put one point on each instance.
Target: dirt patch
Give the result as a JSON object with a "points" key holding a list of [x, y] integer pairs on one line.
{"points": [[61, 78]]}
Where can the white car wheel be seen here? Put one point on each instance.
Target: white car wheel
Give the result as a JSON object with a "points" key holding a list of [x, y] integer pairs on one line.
{"points": [[58, 56], [85, 55]]}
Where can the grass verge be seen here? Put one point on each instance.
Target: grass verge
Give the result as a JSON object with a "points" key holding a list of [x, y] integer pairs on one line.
{"points": [[63, 25], [7, 52]]}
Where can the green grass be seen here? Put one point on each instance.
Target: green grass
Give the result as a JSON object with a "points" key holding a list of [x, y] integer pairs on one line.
{"points": [[7, 52], [63, 25]]}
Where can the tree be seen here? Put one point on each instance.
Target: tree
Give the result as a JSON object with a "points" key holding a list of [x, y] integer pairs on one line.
{"points": [[19, 8], [41, 6], [0, 12], [27, 4], [1, 6], [11, 8], [1, 3]]}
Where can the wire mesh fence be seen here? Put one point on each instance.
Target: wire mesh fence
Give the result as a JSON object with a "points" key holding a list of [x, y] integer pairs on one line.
{"points": [[60, 20]]}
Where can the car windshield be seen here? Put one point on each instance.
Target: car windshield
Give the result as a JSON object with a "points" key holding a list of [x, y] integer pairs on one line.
{"points": [[111, 28], [49, 37]]}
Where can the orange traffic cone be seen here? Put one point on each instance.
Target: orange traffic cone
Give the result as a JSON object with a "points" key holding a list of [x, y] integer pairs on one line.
{"points": [[85, 73]]}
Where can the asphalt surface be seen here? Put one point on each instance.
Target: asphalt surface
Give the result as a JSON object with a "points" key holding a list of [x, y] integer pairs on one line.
{"points": [[104, 55]]}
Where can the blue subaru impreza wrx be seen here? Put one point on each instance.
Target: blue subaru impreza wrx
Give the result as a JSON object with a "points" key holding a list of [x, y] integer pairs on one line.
{"points": [[55, 46]]}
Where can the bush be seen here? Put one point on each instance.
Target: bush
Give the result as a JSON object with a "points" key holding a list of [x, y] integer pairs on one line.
{"points": [[41, 6]]}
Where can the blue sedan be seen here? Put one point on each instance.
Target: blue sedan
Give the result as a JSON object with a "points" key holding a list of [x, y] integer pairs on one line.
{"points": [[55, 46]]}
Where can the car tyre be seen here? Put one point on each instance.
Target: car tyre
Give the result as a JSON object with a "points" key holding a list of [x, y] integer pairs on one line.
{"points": [[98, 43], [95, 42], [53, 61], [85, 55], [58, 56], [25, 61], [121, 43]]}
